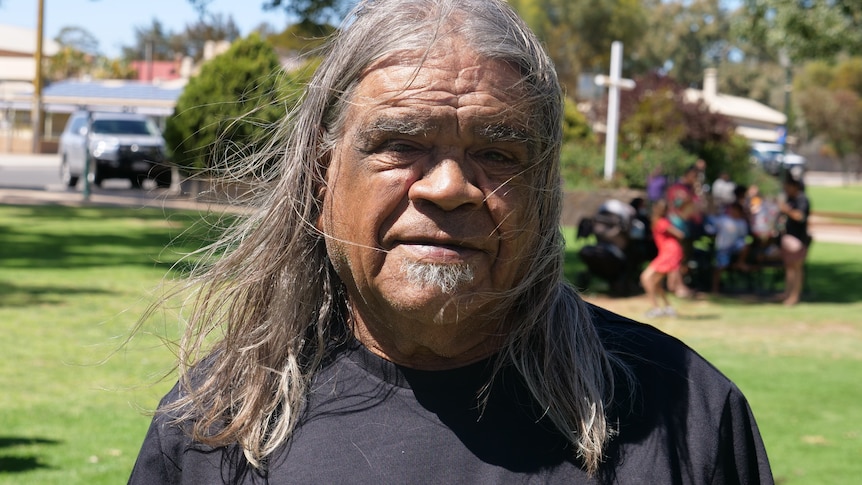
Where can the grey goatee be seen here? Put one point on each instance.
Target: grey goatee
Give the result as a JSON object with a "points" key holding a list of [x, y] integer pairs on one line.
{"points": [[447, 277]]}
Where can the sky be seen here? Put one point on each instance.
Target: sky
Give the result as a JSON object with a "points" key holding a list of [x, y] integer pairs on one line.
{"points": [[113, 22]]}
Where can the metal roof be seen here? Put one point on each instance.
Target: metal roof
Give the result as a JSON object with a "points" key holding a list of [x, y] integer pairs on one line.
{"points": [[159, 99]]}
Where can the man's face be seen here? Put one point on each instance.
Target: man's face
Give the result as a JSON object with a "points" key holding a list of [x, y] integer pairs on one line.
{"points": [[424, 204]]}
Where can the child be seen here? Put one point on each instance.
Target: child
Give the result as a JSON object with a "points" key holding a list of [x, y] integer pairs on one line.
{"points": [[670, 253], [731, 229]]}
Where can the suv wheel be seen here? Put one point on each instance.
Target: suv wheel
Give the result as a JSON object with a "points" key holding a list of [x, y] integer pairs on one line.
{"points": [[163, 180], [95, 177], [66, 176]]}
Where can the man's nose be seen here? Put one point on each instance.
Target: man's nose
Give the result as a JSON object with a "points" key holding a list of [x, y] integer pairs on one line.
{"points": [[448, 184]]}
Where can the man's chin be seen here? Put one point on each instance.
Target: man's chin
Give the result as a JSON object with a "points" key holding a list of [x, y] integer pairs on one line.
{"points": [[448, 279]]}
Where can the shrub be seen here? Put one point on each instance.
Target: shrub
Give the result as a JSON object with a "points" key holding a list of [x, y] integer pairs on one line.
{"points": [[230, 105], [576, 128], [582, 165], [634, 166]]}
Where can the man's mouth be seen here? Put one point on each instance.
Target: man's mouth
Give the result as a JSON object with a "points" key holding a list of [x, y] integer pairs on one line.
{"points": [[438, 251]]}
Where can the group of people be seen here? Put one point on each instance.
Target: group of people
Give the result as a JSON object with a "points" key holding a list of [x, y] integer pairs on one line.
{"points": [[394, 310], [746, 230]]}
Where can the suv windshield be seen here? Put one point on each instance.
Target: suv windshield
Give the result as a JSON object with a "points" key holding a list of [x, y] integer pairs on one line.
{"points": [[124, 127]]}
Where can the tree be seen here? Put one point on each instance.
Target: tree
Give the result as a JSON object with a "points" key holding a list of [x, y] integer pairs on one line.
{"points": [[67, 63], [79, 39], [830, 101], [803, 30], [79, 56], [300, 38], [578, 33], [157, 43], [152, 42], [316, 11], [683, 38], [231, 104], [214, 27]]}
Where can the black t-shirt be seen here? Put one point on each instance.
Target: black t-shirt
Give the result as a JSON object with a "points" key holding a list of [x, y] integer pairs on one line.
{"points": [[799, 229], [371, 421]]}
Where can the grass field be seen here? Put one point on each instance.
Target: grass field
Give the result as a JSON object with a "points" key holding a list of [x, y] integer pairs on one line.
{"points": [[72, 285], [73, 282]]}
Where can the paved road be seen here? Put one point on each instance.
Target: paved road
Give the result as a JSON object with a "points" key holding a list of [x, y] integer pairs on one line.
{"points": [[33, 179]]}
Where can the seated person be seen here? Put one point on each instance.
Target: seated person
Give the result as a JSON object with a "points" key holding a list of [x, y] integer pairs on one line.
{"points": [[731, 231]]}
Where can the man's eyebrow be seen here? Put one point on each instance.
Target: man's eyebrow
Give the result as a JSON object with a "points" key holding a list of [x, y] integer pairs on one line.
{"points": [[418, 126], [411, 126], [502, 132]]}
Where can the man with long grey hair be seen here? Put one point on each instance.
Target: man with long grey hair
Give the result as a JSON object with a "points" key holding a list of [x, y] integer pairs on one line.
{"points": [[394, 311]]}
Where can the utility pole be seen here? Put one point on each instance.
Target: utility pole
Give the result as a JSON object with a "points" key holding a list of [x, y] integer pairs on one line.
{"points": [[36, 113], [614, 83]]}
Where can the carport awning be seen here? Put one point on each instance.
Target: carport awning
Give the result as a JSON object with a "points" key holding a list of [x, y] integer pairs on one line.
{"points": [[68, 104], [758, 134]]}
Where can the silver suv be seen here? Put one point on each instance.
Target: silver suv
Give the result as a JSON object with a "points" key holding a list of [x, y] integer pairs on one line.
{"points": [[121, 145], [773, 159]]}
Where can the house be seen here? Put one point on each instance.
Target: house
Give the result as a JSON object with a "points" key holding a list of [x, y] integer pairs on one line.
{"points": [[17, 71], [754, 121], [155, 96], [154, 93]]}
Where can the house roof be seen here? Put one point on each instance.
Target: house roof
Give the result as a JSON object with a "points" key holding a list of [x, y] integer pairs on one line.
{"points": [[21, 41], [738, 108], [154, 99]]}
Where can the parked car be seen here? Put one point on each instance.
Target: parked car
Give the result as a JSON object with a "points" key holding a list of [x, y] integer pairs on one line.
{"points": [[774, 160], [121, 145]]}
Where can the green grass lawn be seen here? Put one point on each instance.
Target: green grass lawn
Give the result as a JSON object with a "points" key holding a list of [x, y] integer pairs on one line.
{"points": [[73, 282], [846, 199]]}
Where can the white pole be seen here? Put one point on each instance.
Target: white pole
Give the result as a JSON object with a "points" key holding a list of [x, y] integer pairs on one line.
{"points": [[613, 109]]}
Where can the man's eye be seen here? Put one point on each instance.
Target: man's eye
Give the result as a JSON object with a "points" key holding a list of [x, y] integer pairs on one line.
{"points": [[496, 157], [397, 146]]}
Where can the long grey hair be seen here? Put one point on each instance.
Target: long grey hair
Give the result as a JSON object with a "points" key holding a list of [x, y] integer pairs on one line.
{"points": [[272, 295]]}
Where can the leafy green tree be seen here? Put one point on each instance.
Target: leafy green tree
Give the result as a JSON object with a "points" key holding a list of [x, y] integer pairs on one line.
{"points": [[230, 104], [576, 127], [578, 33], [301, 37], [319, 11], [79, 56], [830, 101], [762, 81], [682, 39], [153, 41], [165, 45], [803, 30], [314, 10], [848, 75], [78, 38], [214, 27]]}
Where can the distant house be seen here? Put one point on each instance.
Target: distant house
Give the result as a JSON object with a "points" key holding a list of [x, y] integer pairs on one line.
{"points": [[155, 91], [17, 46], [17, 71], [157, 71], [754, 121]]}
